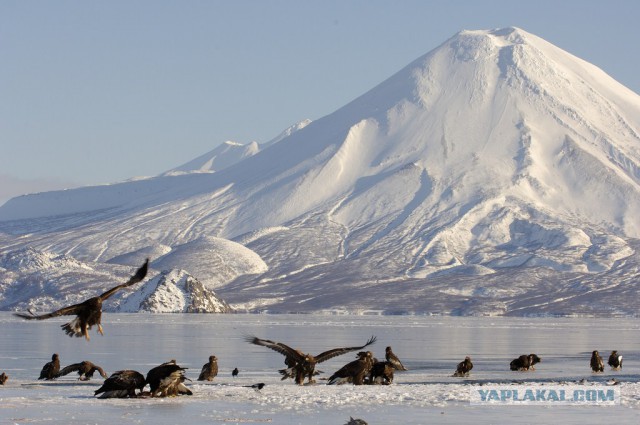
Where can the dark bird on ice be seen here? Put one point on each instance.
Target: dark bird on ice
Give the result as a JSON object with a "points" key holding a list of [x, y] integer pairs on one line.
{"points": [[89, 312], [597, 365], [464, 367], [525, 362], [353, 421], [167, 380], [3, 378], [85, 369], [393, 359], [235, 372], [382, 373], [615, 360], [50, 370], [305, 363], [257, 387], [209, 370], [354, 372], [121, 384]]}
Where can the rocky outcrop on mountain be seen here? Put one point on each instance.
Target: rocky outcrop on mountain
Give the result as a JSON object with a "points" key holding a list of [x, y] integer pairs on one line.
{"points": [[174, 291]]}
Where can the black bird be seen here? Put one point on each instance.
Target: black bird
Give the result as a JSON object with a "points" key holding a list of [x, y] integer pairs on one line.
{"points": [[235, 372], [85, 369], [209, 370], [464, 367], [50, 370], [256, 387], [3, 378], [597, 365], [615, 360], [167, 380], [89, 312], [394, 360], [305, 363], [121, 384]]}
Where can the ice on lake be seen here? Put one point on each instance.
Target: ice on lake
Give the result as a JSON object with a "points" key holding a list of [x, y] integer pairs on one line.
{"points": [[429, 346]]}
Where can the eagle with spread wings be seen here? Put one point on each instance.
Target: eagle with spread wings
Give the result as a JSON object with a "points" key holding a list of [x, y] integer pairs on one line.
{"points": [[88, 312], [305, 364]]}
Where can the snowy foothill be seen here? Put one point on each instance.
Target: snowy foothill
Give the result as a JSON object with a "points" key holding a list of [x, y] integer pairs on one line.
{"points": [[430, 347]]}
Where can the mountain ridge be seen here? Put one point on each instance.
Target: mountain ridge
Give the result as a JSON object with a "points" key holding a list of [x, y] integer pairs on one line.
{"points": [[495, 152]]}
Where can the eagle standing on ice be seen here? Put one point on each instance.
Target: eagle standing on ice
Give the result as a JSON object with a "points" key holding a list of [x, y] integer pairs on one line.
{"points": [[464, 367], [209, 370], [615, 360], [394, 360], [50, 370], [305, 364], [597, 365], [88, 312]]}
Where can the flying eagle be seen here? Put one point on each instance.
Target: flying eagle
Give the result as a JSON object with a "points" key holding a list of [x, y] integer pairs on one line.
{"points": [[121, 384], [209, 370], [597, 365], [394, 360], [525, 362], [305, 363], [464, 367], [88, 312], [354, 371], [615, 360], [50, 370], [167, 380], [85, 369], [3, 378]]}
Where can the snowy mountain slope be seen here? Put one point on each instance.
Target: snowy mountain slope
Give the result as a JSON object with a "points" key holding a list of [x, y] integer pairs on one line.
{"points": [[496, 156], [44, 282]]}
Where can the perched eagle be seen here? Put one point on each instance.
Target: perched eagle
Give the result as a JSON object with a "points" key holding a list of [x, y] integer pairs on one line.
{"points": [[88, 312], [167, 380], [85, 369], [235, 372], [121, 384], [615, 360], [393, 359], [525, 362], [209, 370], [597, 365], [464, 367], [305, 364], [3, 378], [382, 372], [50, 370], [355, 371]]}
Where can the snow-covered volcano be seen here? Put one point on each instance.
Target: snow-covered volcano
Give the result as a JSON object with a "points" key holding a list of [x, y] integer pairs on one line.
{"points": [[486, 175]]}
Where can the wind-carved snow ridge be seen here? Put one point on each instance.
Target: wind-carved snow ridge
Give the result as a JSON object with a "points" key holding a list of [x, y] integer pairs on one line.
{"points": [[497, 174]]}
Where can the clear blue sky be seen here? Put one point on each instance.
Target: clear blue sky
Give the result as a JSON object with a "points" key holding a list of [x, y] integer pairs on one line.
{"points": [[101, 91]]}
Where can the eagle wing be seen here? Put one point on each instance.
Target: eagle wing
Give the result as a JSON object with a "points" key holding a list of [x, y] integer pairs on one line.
{"points": [[340, 351], [281, 348], [65, 311], [137, 277], [68, 369]]}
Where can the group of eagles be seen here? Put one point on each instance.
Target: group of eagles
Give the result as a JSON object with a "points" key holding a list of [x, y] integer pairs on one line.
{"points": [[168, 378]]}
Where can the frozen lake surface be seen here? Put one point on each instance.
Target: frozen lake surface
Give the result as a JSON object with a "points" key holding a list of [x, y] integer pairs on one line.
{"points": [[429, 346]]}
